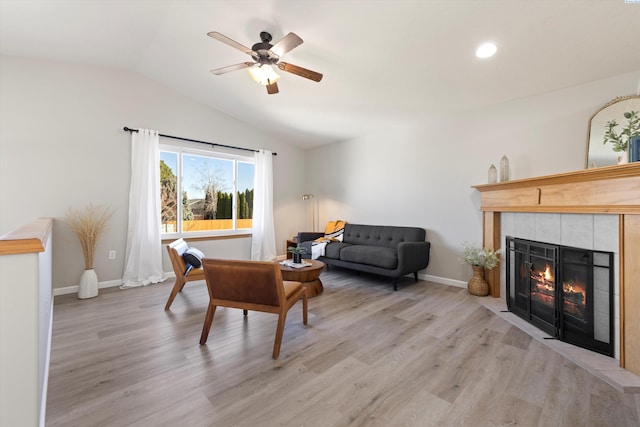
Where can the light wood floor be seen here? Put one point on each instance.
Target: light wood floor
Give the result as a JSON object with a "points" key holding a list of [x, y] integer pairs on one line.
{"points": [[425, 355]]}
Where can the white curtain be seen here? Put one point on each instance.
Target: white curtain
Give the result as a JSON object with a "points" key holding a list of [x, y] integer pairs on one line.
{"points": [[263, 240], [143, 257]]}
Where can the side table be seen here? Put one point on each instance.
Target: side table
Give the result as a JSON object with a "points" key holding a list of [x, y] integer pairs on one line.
{"points": [[308, 276], [290, 242]]}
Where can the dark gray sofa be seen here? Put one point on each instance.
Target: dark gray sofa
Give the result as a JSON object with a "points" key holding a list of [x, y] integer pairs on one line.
{"points": [[385, 250]]}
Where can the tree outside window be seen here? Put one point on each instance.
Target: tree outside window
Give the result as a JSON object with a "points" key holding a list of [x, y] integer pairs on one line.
{"points": [[207, 184]]}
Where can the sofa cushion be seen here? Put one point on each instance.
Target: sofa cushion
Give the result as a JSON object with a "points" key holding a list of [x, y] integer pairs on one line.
{"points": [[333, 249], [379, 235], [370, 255]]}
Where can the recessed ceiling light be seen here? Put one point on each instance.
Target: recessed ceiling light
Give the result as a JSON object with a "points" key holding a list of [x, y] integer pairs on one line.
{"points": [[486, 50]]}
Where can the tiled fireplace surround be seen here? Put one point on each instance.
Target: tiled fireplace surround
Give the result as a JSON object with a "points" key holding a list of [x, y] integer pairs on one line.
{"points": [[595, 209], [585, 231]]}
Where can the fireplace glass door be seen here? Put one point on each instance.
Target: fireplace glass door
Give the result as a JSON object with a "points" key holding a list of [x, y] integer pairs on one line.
{"points": [[587, 299], [532, 271], [566, 292]]}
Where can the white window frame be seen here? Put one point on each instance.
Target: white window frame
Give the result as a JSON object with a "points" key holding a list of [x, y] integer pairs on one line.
{"points": [[180, 151]]}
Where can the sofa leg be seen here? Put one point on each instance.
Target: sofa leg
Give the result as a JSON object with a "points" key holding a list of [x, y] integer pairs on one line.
{"points": [[415, 276], [395, 284]]}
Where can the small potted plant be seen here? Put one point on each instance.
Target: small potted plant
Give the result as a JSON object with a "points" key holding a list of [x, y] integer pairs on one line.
{"points": [[620, 141], [479, 259], [297, 252]]}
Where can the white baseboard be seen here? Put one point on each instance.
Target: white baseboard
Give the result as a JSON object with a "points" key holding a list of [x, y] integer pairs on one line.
{"points": [[443, 280], [101, 285], [113, 283]]}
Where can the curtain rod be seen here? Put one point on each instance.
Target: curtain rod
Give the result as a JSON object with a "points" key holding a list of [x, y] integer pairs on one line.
{"points": [[213, 144]]}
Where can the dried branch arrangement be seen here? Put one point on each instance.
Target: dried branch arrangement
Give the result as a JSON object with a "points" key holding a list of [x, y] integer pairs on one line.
{"points": [[89, 226]]}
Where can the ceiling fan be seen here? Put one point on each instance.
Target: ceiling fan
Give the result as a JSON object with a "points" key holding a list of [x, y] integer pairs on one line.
{"points": [[266, 56]]}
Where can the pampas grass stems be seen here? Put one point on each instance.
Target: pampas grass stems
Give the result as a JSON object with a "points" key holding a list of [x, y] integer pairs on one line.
{"points": [[89, 225]]}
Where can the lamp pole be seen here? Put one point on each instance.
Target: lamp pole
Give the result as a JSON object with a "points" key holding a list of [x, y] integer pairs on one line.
{"points": [[313, 211]]}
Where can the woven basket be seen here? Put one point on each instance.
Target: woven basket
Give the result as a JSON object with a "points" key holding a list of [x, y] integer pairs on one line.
{"points": [[477, 285]]}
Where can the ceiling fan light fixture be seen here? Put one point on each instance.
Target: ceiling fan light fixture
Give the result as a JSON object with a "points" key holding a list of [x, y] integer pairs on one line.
{"points": [[486, 50], [264, 74]]}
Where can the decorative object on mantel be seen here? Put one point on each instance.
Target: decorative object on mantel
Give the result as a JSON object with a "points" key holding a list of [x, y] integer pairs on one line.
{"points": [[598, 153], [479, 259], [621, 141], [634, 149], [493, 175], [297, 252], [504, 169], [89, 225]]}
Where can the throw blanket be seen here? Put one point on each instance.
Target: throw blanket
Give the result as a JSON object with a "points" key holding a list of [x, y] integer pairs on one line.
{"points": [[333, 232], [317, 249]]}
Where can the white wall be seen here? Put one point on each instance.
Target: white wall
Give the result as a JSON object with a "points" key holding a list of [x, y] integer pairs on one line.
{"points": [[419, 171], [62, 145]]}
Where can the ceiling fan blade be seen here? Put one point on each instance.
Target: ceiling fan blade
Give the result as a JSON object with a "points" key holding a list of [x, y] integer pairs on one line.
{"points": [[235, 67], [226, 40], [286, 44], [302, 72], [272, 88]]}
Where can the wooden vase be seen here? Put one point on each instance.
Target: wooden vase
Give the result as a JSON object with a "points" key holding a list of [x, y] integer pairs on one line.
{"points": [[477, 285]]}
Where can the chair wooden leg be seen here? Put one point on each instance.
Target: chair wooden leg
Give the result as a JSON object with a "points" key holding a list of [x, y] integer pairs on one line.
{"points": [[177, 287], [305, 306], [207, 323], [282, 317]]}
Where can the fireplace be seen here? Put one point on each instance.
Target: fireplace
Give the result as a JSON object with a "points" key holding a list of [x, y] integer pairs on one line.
{"points": [[565, 291]]}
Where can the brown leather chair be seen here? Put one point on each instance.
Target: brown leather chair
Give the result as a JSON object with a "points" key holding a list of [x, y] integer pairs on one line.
{"points": [[176, 249], [251, 285]]}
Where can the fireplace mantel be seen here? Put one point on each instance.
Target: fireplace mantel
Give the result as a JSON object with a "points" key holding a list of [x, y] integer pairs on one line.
{"points": [[612, 189], [605, 190]]}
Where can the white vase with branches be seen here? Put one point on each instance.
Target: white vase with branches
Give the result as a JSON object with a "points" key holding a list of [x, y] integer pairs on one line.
{"points": [[89, 225]]}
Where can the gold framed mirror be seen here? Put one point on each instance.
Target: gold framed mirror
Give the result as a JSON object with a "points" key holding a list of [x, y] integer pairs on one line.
{"points": [[598, 153]]}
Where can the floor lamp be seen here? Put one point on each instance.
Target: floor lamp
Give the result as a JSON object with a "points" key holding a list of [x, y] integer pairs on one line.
{"points": [[313, 211]]}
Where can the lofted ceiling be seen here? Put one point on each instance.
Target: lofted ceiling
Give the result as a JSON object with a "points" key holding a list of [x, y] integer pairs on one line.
{"points": [[382, 60]]}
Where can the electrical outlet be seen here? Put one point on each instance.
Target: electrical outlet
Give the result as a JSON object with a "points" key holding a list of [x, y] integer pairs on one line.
{"points": [[112, 254]]}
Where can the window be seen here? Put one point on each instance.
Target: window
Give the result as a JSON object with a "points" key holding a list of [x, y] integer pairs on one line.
{"points": [[204, 193]]}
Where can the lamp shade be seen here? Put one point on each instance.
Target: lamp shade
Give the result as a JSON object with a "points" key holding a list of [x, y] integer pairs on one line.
{"points": [[264, 74]]}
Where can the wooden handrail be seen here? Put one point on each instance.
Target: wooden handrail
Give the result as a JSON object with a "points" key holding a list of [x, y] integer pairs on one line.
{"points": [[29, 238]]}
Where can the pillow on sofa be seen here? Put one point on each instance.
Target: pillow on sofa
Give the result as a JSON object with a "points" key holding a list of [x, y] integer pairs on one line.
{"points": [[333, 232], [180, 246], [193, 258]]}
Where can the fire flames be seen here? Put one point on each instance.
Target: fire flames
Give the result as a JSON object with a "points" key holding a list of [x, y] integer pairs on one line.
{"points": [[574, 298], [543, 291], [544, 286], [544, 279]]}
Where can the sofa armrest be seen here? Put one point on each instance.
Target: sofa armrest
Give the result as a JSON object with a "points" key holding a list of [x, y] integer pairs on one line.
{"points": [[306, 236], [413, 256]]}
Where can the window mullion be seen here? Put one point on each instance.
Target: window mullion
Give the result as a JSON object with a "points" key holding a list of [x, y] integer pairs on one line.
{"points": [[179, 195], [234, 198]]}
